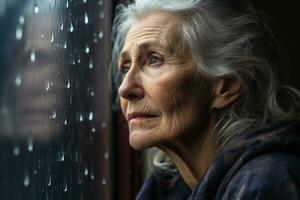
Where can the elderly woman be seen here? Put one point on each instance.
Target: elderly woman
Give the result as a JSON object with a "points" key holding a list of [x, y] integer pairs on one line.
{"points": [[197, 82]]}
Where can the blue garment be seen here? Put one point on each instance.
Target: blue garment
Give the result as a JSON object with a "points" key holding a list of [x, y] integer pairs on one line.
{"points": [[260, 164]]}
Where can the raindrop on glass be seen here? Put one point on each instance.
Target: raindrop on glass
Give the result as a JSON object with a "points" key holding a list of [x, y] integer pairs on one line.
{"points": [[21, 19], [66, 122], [19, 33], [103, 181], [26, 180], [87, 50], [84, 1], [30, 144], [65, 45], [67, 4], [49, 181], [43, 36], [92, 93], [61, 156], [86, 171], [66, 187], [102, 15], [100, 35], [91, 64], [86, 18], [36, 9], [47, 86], [32, 55], [16, 150], [71, 27], [53, 116], [91, 116], [106, 155], [52, 38], [92, 176], [62, 26], [100, 2], [103, 124], [81, 117], [68, 84], [18, 80]]}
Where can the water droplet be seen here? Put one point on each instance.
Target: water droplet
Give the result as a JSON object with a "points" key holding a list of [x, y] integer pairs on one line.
{"points": [[18, 80], [81, 117], [19, 33], [91, 116], [66, 122], [47, 86], [100, 2], [32, 55], [100, 34], [79, 61], [84, 1], [66, 187], [86, 18], [65, 45], [61, 156], [26, 180], [36, 9], [43, 36], [102, 14], [87, 50], [91, 64], [35, 172], [92, 176], [67, 4], [86, 171], [92, 93], [68, 84], [30, 144], [52, 38], [103, 181], [62, 26], [106, 155], [53, 114], [16, 150], [21, 19], [71, 28], [103, 124], [76, 156], [49, 181]]}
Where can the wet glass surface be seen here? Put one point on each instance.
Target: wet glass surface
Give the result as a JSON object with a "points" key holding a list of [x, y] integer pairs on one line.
{"points": [[54, 118]]}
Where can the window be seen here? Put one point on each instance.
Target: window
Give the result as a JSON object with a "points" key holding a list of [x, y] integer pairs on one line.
{"points": [[54, 103]]}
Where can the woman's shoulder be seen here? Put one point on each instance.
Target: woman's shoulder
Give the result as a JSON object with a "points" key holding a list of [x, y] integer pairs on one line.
{"points": [[269, 176]]}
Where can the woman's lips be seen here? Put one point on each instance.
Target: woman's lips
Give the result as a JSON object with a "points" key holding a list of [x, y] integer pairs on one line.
{"points": [[139, 116]]}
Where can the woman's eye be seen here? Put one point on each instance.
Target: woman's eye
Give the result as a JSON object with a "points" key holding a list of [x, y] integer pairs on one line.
{"points": [[124, 69], [154, 60]]}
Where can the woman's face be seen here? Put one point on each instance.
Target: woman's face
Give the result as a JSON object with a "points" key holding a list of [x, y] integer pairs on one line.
{"points": [[160, 96]]}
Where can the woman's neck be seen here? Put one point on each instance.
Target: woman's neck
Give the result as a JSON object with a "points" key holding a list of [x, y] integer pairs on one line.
{"points": [[192, 157]]}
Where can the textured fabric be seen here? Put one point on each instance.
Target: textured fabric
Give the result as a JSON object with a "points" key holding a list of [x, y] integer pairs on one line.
{"points": [[259, 164]]}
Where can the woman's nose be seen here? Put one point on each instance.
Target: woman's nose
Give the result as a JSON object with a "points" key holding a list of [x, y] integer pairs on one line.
{"points": [[131, 86]]}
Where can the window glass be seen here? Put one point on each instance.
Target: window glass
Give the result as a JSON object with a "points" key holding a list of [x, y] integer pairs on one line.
{"points": [[54, 106]]}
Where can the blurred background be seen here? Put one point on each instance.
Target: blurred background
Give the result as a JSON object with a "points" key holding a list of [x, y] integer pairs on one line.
{"points": [[59, 136]]}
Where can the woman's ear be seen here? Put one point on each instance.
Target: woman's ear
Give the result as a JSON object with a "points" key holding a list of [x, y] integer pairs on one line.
{"points": [[225, 91]]}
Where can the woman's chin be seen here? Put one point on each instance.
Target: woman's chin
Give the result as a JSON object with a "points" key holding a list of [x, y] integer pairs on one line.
{"points": [[141, 140]]}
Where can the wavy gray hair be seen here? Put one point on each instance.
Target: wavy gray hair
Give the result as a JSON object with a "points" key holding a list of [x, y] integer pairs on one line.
{"points": [[226, 40]]}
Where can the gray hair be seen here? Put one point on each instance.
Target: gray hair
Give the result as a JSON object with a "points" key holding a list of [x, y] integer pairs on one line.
{"points": [[226, 41]]}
